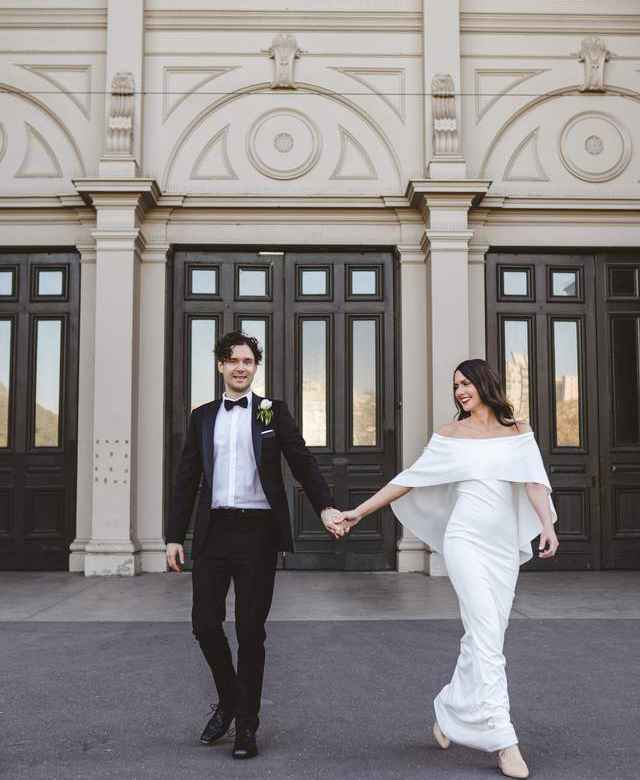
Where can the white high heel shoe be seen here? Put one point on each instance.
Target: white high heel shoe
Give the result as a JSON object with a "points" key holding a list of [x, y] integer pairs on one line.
{"points": [[511, 763], [440, 737]]}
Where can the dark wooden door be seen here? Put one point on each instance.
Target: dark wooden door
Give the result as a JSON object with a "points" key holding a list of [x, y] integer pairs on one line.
{"points": [[326, 324], [541, 334], [619, 364], [39, 297]]}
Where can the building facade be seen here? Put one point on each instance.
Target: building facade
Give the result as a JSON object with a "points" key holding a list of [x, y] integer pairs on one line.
{"points": [[377, 190]]}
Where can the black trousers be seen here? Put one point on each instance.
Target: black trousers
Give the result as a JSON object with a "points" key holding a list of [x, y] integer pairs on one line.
{"points": [[241, 547]]}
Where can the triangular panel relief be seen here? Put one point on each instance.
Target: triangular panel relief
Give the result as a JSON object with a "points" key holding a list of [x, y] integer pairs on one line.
{"points": [[39, 160], [493, 83], [524, 164], [3, 141], [387, 83], [181, 82], [354, 163], [213, 161], [72, 80]]}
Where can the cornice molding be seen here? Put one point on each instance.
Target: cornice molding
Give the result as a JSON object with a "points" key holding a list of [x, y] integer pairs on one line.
{"points": [[47, 18], [276, 201], [549, 24], [495, 201], [282, 21]]}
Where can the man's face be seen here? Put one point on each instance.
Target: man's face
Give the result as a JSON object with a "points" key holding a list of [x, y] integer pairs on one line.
{"points": [[239, 370]]}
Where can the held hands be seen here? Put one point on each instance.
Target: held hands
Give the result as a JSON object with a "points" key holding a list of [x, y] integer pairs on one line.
{"points": [[338, 523], [175, 556]]}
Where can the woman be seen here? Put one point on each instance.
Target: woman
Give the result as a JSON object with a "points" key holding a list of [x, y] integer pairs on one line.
{"points": [[478, 494]]}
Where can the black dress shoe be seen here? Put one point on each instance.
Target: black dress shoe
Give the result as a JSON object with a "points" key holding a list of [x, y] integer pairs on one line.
{"points": [[245, 745], [218, 725]]}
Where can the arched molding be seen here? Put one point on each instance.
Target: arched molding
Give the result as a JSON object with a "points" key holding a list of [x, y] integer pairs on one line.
{"points": [[254, 88], [8, 88], [540, 100], [3, 141]]}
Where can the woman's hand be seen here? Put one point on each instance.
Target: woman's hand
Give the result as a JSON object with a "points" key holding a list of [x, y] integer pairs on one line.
{"points": [[350, 519], [548, 543]]}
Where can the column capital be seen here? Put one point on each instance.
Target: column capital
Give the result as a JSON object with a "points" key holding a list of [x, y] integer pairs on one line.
{"points": [[87, 252], [448, 240], [155, 253], [477, 253], [118, 191], [446, 193], [411, 254]]}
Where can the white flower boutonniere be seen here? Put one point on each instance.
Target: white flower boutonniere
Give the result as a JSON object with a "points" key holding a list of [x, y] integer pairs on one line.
{"points": [[266, 412]]}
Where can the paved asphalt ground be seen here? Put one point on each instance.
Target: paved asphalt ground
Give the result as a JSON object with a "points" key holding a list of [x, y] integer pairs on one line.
{"points": [[101, 678]]}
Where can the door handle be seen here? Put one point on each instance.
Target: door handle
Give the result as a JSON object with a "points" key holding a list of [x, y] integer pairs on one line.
{"points": [[613, 468]]}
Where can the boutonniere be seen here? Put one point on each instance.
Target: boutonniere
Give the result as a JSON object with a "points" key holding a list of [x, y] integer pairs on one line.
{"points": [[265, 412]]}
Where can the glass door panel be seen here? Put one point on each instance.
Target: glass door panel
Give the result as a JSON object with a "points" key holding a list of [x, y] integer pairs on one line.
{"points": [[566, 387], [314, 389], [516, 365], [202, 362], [6, 348], [48, 371], [364, 384]]}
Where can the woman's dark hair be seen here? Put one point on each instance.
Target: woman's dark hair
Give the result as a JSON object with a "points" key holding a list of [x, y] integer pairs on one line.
{"points": [[236, 338], [487, 383]]}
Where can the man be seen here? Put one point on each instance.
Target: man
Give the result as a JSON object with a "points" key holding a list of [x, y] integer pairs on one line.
{"points": [[242, 521]]}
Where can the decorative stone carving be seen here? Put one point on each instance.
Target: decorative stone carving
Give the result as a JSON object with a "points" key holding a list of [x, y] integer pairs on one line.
{"points": [[354, 164], [284, 144], [446, 140], [40, 161], [213, 162], [284, 52], [593, 54], [595, 146], [120, 123], [525, 164]]}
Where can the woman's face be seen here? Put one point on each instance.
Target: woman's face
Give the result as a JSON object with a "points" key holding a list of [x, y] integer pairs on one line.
{"points": [[465, 393]]}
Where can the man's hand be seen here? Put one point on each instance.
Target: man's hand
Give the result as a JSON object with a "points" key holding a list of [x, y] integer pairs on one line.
{"points": [[175, 556], [332, 519], [350, 519]]}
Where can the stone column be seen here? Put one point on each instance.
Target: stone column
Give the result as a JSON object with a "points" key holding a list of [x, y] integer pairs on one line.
{"points": [[85, 406], [151, 416], [415, 385], [113, 547], [477, 316]]}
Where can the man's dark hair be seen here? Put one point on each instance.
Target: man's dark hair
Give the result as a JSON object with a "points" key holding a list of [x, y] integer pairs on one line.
{"points": [[236, 338]]}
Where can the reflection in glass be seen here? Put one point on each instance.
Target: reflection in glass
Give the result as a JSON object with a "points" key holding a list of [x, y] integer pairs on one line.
{"points": [[314, 382], [258, 329], [252, 282], [623, 282], [567, 383], [202, 362], [204, 281], [564, 283], [515, 283], [625, 348], [314, 282], [48, 364], [6, 282], [363, 282], [50, 282], [364, 398], [5, 379], [516, 367]]}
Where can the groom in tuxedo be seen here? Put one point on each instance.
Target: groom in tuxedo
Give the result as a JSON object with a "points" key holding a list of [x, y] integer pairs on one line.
{"points": [[234, 447]]}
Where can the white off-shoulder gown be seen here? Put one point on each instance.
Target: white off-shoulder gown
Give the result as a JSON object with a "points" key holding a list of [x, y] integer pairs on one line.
{"points": [[469, 502]]}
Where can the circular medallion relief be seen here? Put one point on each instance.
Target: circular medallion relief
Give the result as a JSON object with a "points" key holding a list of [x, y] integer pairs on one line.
{"points": [[283, 144], [595, 146]]}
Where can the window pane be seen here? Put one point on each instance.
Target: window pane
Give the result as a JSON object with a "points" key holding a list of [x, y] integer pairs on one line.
{"points": [[203, 363], [204, 281], [50, 282], [6, 282], [515, 283], [363, 282], [48, 357], [314, 382], [252, 282], [516, 367], [314, 283], [364, 398], [625, 350], [567, 383], [5, 379], [258, 329], [622, 281], [564, 283]]}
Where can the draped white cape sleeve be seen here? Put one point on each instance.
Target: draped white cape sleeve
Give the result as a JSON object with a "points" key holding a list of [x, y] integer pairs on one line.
{"points": [[425, 510]]}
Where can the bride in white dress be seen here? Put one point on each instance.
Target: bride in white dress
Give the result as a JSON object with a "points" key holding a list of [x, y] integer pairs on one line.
{"points": [[478, 494]]}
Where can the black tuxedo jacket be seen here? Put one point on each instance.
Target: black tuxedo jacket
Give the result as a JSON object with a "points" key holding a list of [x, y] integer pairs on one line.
{"points": [[281, 436]]}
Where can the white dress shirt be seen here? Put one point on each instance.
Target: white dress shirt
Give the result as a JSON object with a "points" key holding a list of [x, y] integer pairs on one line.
{"points": [[236, 481]]}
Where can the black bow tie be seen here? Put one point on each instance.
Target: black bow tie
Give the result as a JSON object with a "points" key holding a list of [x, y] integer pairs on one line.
{"points": [[229, 404]]}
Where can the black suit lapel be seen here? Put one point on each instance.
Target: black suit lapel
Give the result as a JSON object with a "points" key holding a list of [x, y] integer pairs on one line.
{"points": [[208, 423], [256, 427]]}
